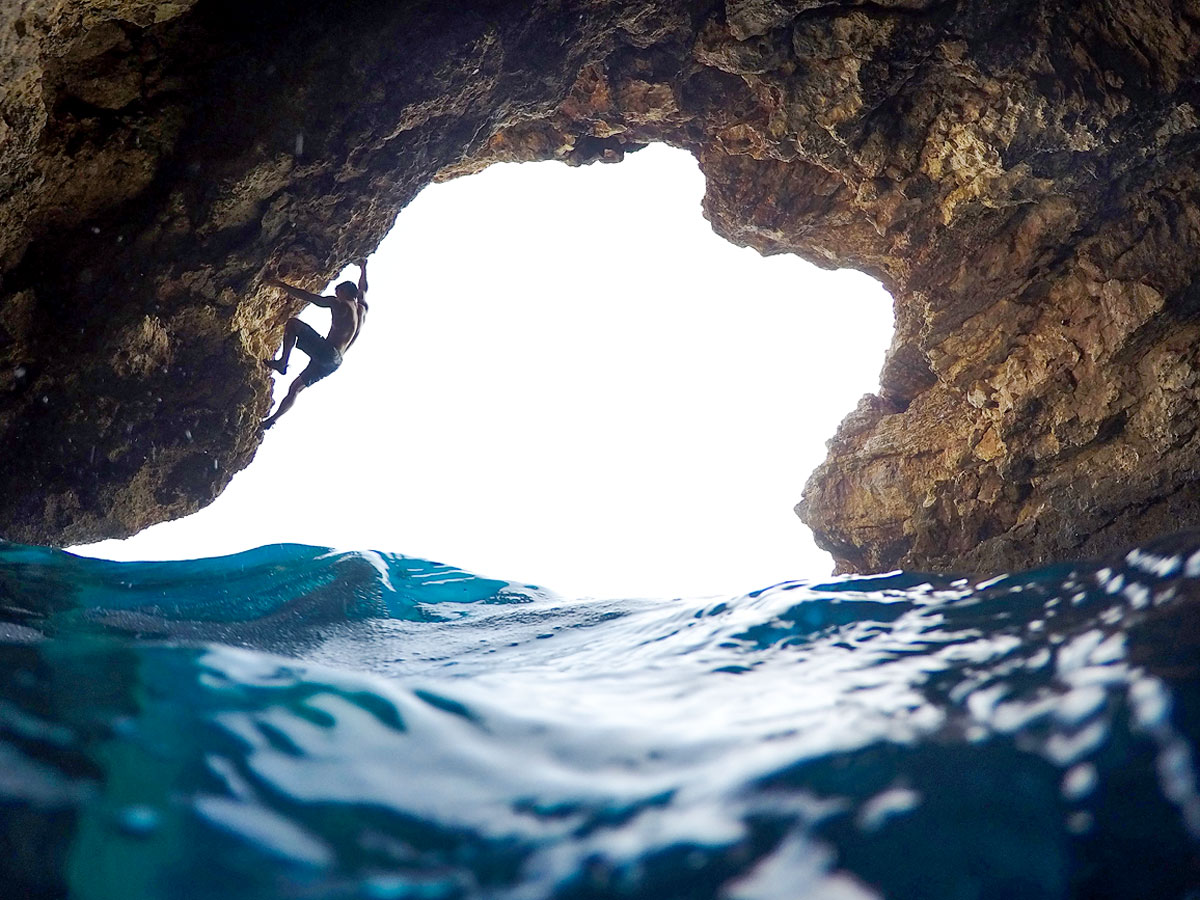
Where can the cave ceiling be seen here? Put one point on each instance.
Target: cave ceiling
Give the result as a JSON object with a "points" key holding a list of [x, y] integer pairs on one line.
{"points": [[1021, 176]]}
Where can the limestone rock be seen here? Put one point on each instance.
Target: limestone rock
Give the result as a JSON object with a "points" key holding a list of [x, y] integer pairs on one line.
{"points": [[1021, 176]]}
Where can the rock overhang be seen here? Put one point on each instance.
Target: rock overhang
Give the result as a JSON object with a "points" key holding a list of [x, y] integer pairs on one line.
{"points": [[1020, 177]]}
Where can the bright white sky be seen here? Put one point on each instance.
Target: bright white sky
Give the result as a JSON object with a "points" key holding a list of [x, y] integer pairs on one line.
{"points": [[565, 379]]}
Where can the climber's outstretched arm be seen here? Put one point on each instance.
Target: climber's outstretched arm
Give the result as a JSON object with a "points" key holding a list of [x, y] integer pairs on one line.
{"points": [[299, 294]]}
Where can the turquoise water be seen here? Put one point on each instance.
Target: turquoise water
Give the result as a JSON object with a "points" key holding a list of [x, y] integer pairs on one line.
{"points": [[291, 722]]}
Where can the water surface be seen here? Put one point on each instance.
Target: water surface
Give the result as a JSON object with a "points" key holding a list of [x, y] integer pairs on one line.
{"points": [[292, 722]]}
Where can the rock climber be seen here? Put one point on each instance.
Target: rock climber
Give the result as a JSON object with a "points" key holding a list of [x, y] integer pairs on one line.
{"points": [[347, 309]]}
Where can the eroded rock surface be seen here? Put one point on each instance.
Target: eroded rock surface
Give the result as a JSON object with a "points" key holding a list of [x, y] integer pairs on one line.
{"points": [[1021, 176]]}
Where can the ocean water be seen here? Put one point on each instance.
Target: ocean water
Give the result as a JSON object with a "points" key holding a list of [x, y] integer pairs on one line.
{"points": [[292, 722]]}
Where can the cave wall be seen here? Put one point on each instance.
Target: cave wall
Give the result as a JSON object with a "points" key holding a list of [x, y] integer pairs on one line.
{"points": [[1020, 176]]}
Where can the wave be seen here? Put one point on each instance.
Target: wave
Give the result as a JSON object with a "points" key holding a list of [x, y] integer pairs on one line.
{"points": [[293, 722]]}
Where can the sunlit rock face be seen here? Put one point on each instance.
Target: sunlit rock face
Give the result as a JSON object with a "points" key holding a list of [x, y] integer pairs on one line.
{"points": [[1021, 176]]}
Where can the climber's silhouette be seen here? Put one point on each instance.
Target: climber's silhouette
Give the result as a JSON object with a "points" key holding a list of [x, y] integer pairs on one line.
{"points": [[347, 308]]}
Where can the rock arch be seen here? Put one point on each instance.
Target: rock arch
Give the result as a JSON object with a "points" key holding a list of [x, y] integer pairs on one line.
{"points": [[1021, 176]]}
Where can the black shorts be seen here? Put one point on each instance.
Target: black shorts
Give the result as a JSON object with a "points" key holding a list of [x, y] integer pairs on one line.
{"points": [[324, 358]]}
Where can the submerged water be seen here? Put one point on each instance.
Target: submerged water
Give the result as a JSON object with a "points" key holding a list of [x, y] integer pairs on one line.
{"points": [[296, 723]]}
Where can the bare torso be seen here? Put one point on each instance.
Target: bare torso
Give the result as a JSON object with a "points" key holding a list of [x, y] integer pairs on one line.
{"points": [[347, 318]]}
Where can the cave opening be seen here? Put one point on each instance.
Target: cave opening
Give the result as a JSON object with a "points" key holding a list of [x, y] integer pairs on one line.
{"points": [[566, 378]]}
